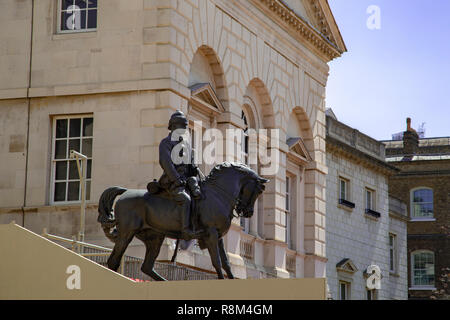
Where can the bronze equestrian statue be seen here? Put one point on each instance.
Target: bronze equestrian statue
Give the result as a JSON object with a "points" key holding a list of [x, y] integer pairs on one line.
{"points": [[170, 205]]}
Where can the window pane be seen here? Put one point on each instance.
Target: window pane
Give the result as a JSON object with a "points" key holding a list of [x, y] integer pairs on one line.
{"points": [[61, 149], [92, 4], [92, 19], [74, 144], [60, 191], [391, 259], [61, 170], [87, 147], [81, 3], [73, 20], [61, 128], [88, 190], [75, 127], [73, 170], [423, 195], [66, 3], [343, 190], [426, 209], [343, 291], [89, 169], [368, 199], [74, 191], [87, 126]]}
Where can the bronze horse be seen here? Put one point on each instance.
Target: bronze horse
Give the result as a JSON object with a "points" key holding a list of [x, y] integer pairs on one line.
{"points": [[151, 218]]}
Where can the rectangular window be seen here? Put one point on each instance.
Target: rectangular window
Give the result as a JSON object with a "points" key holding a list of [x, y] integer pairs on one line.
{"points": [[423, 268], [344, 290], [70, 133], [77, 15], [392, 252], [422, 203], [343, 189], [370, 204]]}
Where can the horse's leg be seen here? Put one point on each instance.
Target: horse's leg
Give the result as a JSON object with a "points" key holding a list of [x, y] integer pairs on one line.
{"points": [[224, 259], [213, 248], [121, 244], [174, 256], [153, 245]]}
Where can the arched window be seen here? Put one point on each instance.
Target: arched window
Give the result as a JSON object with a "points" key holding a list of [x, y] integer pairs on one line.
{"points": [[422, 268], [421, 203]]}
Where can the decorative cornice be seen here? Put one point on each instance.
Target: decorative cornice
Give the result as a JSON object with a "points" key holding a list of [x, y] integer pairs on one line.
{"points": [[300, 28], [335, 146]]}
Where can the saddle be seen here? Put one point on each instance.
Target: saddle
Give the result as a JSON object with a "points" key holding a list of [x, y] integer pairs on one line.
{"points": [[155, 189]]}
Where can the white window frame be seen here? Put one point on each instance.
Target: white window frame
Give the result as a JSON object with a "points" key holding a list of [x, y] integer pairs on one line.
{"points": [[393, 253], [53, 160], [415, 286], [58, 20], [411, 205]]}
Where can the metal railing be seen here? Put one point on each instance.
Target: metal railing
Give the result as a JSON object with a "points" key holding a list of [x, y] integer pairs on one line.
{"points": [[291, 263], [246, 248], [130, 266]]}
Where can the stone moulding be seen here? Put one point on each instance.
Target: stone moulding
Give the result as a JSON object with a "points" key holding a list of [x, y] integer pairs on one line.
{"points": [[300, 28]]}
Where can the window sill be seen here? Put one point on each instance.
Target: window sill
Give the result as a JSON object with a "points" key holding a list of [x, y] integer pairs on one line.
{"points": [[348, 209], [394, 274], [422, 220], [75, 35], [345, 204], [372, 214], [422, 289]]}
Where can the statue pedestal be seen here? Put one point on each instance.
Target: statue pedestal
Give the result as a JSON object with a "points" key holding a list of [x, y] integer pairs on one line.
{"points": [[36, 268]]}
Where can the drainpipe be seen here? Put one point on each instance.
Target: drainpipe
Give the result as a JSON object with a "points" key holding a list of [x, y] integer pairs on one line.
{"points": [[28, 116]]}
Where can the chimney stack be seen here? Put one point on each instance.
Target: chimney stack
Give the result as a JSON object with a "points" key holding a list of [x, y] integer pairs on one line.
{"points": [[410, 139]]}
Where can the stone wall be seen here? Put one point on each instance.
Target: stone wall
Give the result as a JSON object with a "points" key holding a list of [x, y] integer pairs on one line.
{"points": [[131, 74], [351, 232]]}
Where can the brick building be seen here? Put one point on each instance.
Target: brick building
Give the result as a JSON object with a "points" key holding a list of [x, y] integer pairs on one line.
{"points": [[365, 226], [424, 185]]}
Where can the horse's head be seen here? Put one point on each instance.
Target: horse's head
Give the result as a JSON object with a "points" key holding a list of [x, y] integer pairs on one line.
{"points": [[250, 191], [241, 181]]}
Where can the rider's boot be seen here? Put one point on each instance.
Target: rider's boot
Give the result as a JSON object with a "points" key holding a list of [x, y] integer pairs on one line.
{"points": [[194, 188], [186, 232]]}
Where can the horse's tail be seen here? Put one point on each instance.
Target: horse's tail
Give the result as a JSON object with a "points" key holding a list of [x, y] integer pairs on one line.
{"points": [[105, 211]]}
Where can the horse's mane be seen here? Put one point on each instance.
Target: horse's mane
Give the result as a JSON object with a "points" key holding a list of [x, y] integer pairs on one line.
{"points": [[226, 166]]}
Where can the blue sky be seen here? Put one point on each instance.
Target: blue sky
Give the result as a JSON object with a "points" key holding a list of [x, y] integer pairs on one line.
{"points": [[401, 70]]}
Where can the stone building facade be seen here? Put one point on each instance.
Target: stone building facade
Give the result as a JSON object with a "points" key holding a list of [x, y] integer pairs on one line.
{"points": [[365, 226], [104, 76], [424, 185]]}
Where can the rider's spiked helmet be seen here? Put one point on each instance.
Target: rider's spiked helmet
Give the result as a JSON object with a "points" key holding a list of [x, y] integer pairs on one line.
{"points": [[178, 118]]}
